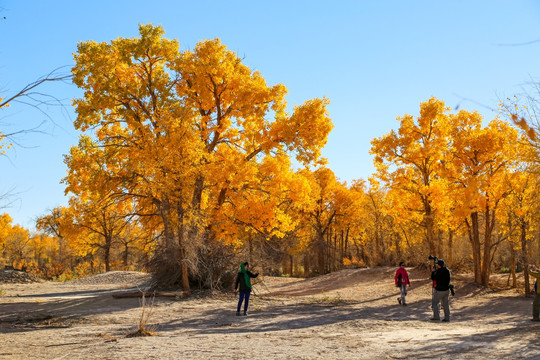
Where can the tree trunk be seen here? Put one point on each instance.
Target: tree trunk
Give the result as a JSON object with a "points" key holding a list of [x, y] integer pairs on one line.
{"points": [[185, 274], [398, 248], [513, 265], [291, 265], [450, 247], [379, 246], [126, 255], [486, 261], [347, 244], [250, 250], [320, 252], [107, 253], [525, 257], [438, 244], [306, 265], [428, 221], [474, 237]]}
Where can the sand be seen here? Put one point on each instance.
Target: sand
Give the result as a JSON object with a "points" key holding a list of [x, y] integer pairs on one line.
{"points": [[351, 314]]}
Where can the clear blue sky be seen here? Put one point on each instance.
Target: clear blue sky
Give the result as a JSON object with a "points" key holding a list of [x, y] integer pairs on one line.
{"points": [[374, 60]]}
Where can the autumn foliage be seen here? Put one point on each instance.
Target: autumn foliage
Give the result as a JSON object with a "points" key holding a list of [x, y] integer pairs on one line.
{"points": [[189, 162]]}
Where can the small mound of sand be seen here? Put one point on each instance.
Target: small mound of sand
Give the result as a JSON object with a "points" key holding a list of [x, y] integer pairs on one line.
{"points": [[114, 277], [17, 277]]}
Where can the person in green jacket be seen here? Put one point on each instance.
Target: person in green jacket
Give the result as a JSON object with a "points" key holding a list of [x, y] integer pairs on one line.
{"points": [[243, 283], [533, 270]]}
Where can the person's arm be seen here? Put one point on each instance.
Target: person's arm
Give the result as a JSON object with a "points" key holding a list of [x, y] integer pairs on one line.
{"points": [[533, 270], [252, 275], [408, 278]]}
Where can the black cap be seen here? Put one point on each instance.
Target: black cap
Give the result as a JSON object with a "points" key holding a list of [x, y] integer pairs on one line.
{"points": [[440, 262]]}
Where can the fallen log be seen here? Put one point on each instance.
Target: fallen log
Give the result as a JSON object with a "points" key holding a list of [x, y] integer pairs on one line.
{"points": [[150, 294]]}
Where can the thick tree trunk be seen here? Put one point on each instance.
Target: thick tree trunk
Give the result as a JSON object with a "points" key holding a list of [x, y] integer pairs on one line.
{"points": [[125, 255], [438, 245], [250, 250], [428, 223], [320, 252], [474, 237], [379, 246], [185, 271], [107, 253], [291, 265], [450, 247], [306, 264], [525, 257], [486, 261], [513, 265]]}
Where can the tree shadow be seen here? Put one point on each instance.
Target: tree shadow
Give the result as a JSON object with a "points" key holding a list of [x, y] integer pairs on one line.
{"points": [[305, 315], [295, 316], [450, 346], [25, 315]]}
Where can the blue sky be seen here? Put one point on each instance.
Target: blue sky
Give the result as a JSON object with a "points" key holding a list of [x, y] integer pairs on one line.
{"points": [[374, 60]]}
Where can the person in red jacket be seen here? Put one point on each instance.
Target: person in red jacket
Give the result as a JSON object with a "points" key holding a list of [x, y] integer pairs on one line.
{"points": [[402, 280]]}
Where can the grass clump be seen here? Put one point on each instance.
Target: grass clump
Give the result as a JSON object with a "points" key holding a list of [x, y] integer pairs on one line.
{"points": [[143, 327]]}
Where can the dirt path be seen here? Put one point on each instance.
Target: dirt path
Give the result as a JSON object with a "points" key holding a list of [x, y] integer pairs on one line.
{"points": [[352, 314]]}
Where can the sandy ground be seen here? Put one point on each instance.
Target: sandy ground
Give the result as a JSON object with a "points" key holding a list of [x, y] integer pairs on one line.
{"points": [[351, 314]]}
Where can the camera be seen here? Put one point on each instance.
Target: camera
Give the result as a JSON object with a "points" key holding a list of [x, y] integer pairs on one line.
{"points": [[435, 259]]}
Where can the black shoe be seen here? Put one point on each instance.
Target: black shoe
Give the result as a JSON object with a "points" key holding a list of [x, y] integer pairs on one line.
{"points": [[445, 320], [238, 313], [399, 301], [404, 304], [535, 319], [245, 313], [434, 319]]}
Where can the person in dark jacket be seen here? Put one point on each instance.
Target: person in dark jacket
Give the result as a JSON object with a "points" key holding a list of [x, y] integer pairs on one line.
{"points": [[243, 283], [441, 293], [402, 280], [534, 272]]}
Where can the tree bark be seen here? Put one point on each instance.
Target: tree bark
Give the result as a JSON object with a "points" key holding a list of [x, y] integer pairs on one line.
{"points": [[513, 265], [474, 237], [525, 256], [450, 247], [320, 252], [486, 261], [306, 265]]}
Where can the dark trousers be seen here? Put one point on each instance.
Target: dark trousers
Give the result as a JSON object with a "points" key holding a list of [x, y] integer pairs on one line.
{"points": [[243, 294], [536, 306], [444, 298]]}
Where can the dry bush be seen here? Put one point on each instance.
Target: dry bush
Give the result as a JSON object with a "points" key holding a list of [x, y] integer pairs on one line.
{"points": [[143, 328], [166, 267], [211, 268], [209, 262]]}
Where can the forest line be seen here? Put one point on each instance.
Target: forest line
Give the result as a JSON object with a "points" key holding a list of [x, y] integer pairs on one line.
{"points": [[185, 168]]}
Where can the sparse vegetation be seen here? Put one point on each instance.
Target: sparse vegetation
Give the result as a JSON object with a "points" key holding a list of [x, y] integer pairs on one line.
{"points": [[147, 310]]}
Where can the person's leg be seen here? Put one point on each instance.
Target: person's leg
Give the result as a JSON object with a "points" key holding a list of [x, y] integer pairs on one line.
{"points": [[536, 306], [445, 300], [240, 300], [246, 304], [403, 294], [435, 305]]}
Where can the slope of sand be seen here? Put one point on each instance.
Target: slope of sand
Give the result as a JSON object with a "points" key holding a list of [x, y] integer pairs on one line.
{"points": [[351, 314]]}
